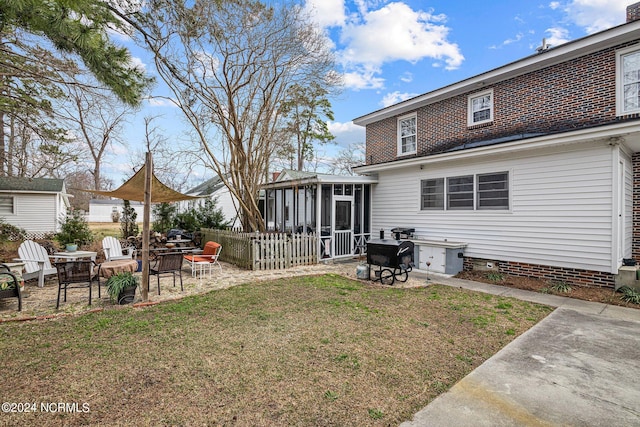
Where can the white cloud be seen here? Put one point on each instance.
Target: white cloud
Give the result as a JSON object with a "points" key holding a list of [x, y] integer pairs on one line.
{"points": [[161, 102], [554, 5], [556, 36], [363, 79], [395, 97], [397, 32], [326, 13], [596, 15], [407, 77], [507, 42], [346, 132], [138, 63]]}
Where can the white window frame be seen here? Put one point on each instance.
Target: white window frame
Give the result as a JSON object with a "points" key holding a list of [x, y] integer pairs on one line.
{"points": [[470, 100], [13, 205], [446, 205], [413, 116], [440, 184], [480, 192], [620, 54]]}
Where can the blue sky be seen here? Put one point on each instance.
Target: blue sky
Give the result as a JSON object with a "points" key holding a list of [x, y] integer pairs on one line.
{"points": [[389, 51]]}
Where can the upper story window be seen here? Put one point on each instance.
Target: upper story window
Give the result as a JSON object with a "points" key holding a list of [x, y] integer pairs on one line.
{"points": [[6, 205], [407, 127], [628, 81], [480, 109]]}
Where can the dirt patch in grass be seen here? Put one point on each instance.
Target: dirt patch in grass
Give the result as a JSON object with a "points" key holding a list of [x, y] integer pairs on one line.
{"points": [[313, 350], [586, 293]]}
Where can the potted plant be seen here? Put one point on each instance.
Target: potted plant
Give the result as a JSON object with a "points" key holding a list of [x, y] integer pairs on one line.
{"points": [[121, 287], [74, 231]]}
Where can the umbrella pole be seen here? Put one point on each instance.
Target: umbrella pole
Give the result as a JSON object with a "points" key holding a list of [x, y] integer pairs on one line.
{"points": [[148, 174]]}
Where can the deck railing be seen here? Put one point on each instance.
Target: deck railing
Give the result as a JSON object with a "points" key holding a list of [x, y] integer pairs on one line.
{"points": [[264, 251]]}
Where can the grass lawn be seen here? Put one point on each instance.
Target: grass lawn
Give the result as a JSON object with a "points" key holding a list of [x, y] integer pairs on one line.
{"points": [[314, 350]]}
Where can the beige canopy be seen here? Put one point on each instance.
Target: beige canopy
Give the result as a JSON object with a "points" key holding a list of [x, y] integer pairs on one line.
{"points": [[145, 187], [133, 189]]}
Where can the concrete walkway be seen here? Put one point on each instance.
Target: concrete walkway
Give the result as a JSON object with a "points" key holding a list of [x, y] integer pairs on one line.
{"points": [[577, 367]]}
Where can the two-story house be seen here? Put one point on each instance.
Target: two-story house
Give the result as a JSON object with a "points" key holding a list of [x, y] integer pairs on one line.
{"points": [[532, 168]]}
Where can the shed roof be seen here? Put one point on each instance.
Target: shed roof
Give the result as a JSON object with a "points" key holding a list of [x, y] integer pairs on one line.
{"points": [[37, 185]]}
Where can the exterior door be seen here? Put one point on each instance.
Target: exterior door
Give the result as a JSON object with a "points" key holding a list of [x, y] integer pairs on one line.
{"points": [[343, 226]]}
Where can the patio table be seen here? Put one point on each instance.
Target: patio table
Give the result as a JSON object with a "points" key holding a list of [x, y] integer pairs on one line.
{"points": [[111, 268], [72, 256]]}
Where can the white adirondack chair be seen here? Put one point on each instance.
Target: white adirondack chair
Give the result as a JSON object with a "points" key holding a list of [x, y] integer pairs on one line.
{"points": [[36, 261], [113, 250]]}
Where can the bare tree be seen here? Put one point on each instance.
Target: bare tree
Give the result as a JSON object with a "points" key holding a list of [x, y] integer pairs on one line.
{"points": [[347, 159], [95, 117], [230, 65]]}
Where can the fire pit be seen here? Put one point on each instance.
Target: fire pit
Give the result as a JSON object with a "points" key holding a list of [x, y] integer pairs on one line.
{"points": [[394, 259]]}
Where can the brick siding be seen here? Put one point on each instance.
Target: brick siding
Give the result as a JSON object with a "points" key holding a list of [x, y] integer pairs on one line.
{"points": [[571, 95], [572, 276]]}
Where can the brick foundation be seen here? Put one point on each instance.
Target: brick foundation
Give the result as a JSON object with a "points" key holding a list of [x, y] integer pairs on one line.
{"points": [[572, 276]]}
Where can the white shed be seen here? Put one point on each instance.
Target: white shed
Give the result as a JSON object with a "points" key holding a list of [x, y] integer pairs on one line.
{"points": [[213, 188], [100, 209], [38, 205]]}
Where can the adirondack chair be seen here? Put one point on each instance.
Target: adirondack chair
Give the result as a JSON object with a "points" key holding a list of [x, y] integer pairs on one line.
{"points": [[113, 250], [36, 259]]}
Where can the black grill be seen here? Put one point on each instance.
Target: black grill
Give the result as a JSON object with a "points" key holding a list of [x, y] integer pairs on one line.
{"points": [[393, 257], [402, 232]]}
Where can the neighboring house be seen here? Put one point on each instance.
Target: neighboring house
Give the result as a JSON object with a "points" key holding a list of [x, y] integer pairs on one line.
{"points": [[213, 188], [336, 207], [100, 209], [531, 169], [38, 205]]}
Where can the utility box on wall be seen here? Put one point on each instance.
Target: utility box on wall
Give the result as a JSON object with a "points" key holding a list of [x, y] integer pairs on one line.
{"points": [[443, 256]]}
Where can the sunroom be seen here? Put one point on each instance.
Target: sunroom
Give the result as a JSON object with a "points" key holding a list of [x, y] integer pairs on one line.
{"points": [[338, 208]]}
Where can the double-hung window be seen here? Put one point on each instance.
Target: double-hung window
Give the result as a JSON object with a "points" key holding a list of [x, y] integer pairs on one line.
{"points": [[628, 81], [480, 108], [407, 129]]}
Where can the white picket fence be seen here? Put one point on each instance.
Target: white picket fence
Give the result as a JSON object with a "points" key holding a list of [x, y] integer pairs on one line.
{"points": [[265, 251]]}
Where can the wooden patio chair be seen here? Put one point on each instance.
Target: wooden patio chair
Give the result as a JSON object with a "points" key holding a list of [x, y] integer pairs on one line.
{"points": [[77, 274], [113, 249], [166, 263], [210, 254], [36, 259]]}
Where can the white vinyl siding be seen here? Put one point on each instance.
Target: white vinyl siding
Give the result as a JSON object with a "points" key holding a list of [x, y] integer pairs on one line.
{"points": [[560, 215], [628, 81], [34, 212]]}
